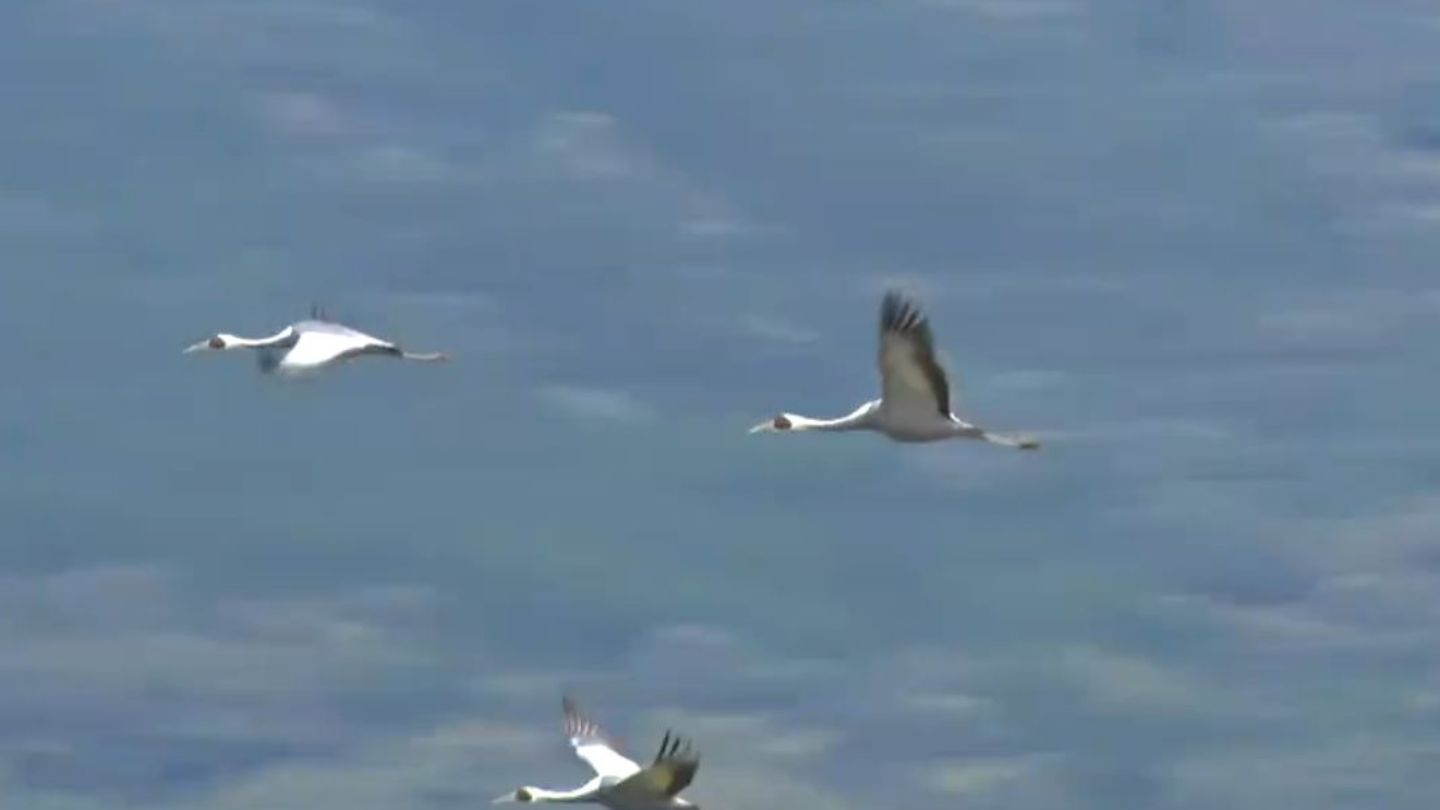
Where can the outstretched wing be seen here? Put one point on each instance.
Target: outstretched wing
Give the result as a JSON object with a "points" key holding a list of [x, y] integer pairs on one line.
{"points": [[319, 348], [322, 342], [911, 379], [592, 745], [672, 771]]}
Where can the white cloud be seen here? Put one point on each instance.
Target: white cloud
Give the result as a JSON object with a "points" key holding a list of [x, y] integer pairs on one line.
{"points": [[972, 778], [130, 652], [1026, 381], [396, 163], [300, 114], [1390, 540], [714, 227], [466, 760], [1127, 682], [1149, 430], [1010, 10], [752, 760], [270, 670], [250, 31], [975, 466], [597, 403], [1330, 771], [1369, 589], [27, 217], [710, 217], [586, 145], [778, 330], [952, 704], [753, 736], [1353, 318]]}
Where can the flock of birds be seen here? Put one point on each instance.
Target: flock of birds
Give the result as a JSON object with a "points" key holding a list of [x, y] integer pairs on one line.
{"points": [[915, 405]]}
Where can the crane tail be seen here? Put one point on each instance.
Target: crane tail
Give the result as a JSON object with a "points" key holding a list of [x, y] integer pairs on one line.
{"points": [[1020, 442]]}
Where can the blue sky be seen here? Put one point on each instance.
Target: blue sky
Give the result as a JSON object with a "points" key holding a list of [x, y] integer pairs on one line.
{"points": [[1190, 243]]}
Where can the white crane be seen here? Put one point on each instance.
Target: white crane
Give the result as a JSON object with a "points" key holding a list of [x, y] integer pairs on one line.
{"points": [[915, 396], [311, 345], [619, 783]]}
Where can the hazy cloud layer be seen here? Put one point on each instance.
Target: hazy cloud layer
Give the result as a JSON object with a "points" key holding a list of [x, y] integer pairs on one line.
{"points": [[1191, 245]]}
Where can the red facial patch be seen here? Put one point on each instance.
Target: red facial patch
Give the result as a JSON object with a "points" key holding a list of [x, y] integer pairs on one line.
{"points": [[781, 423], [216, 343]]}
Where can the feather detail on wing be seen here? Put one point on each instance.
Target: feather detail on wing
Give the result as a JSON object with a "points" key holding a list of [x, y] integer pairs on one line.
{"points": [[593, 746], [911, 378], [672, 771]]}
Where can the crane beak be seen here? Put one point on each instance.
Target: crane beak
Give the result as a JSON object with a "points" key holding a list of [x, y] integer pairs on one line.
{"points": [[508, 798], [774, 425], [195, 347]]}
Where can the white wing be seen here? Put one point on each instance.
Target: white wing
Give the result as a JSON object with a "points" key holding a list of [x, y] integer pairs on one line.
{"points": [[913, 383], [591, 744], [316, 347]]}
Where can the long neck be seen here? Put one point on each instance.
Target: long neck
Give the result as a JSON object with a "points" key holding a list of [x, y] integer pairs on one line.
{"points": [[858, 419]]}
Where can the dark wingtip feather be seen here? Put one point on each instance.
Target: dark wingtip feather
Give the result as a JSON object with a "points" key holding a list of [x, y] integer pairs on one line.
{"points": [[901, 315], [889, 306], [899, 312], [682, 771], [576, 723], [675, 748]]}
